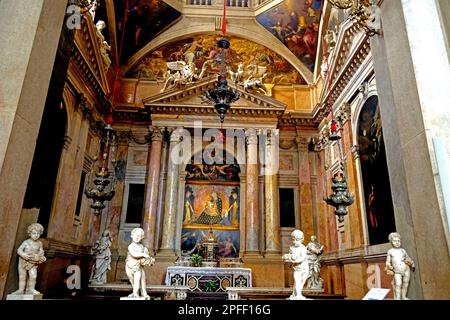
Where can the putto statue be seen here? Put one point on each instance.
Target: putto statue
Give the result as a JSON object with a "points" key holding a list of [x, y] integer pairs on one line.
{"points": [[104, 46], [30, 254], [315, 250], [138, 258], [298, 256], [399, 264], [102, 258]]}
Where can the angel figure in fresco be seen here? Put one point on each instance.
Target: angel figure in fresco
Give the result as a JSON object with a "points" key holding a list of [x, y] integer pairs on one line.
{"points": [[227, 248]]}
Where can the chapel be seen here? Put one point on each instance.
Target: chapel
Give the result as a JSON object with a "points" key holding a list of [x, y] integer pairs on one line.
{"points": [[216, 128]]}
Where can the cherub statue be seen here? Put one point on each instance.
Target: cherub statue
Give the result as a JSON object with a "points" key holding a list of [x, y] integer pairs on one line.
{"points": [[104, 46], [399, 264], [137, 258], [30, 254], [102, 258], [315, 250], [298, 257]]}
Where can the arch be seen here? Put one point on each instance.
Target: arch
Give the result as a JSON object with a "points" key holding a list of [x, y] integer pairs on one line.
{"points": [[374, 176], [47, 160], [254, 32]]}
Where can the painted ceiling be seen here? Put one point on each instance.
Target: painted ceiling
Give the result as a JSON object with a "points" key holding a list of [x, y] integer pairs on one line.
{"points": [[296, 24], [145, 19], [245, 59]]}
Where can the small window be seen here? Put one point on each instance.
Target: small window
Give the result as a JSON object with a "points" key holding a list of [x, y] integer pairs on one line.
{"points": [[287, 208], [135, 203], [80, 194]]}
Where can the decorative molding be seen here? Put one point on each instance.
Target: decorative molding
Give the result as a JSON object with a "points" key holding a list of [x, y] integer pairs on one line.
{"points": [[88, 62], [173, 102], [355, 152], [345, 63], [343, 114]]}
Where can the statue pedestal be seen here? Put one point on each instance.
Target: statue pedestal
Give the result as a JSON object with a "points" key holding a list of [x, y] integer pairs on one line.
{"points": [[24, 297], [130, 298]]}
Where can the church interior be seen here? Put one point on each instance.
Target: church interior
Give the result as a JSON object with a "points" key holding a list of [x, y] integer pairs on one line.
{"points": [[203, 133]]}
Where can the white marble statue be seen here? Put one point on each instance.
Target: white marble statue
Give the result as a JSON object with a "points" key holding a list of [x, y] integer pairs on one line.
{"points": [[399, 264], [315, 250], [102, 258], [374, 20], [93, 4], [104, 46], [30, 254], [137, 258], [298, 256]]}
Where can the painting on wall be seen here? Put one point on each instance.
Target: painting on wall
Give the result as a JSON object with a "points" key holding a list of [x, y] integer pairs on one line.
{"points": [[245, 60], [211, 206], [145, 19], [375, 175], [228, 241], [296, 24]]}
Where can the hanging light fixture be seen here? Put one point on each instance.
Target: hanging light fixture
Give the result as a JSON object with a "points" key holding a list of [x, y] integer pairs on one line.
{"points": [[340, 198], [103, 187], [222, 96]]}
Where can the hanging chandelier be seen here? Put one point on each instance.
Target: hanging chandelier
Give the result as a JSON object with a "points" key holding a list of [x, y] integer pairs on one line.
{"points": [[103, 187], [222, 96], [341, 198]]}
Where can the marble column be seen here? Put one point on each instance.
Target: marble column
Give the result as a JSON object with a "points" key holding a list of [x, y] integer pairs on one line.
{"points": [[151, 188], [252, 195], [29, 33], [413, 93], [307, 222], [170, 208], [162, 189], [273, 235]]}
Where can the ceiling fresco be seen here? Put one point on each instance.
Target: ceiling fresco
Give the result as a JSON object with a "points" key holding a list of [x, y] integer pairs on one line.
{"points": [[245, 60], [296, 24], [145, 20]]}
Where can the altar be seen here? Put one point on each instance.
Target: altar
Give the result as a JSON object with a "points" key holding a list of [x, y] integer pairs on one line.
{"points": [[206, 279]]}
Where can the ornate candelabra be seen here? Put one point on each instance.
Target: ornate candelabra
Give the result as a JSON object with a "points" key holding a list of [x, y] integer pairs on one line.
{"points": [[341, 198], [103, 187], [222, 96]]}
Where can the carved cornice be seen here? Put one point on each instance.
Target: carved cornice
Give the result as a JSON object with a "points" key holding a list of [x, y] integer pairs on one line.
{"points": [[297, 119], [87, 60], [344, 65], [131, 116], [169, 102], [96, 124]]}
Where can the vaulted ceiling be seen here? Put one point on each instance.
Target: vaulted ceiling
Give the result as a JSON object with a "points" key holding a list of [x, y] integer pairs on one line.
{"points": [[287, 27]]}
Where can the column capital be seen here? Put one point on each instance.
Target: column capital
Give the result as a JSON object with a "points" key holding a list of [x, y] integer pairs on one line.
{"points": [[251, 136], [156, 133], [343, 114], [302, 143], [176, 135], [272, 136]]}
